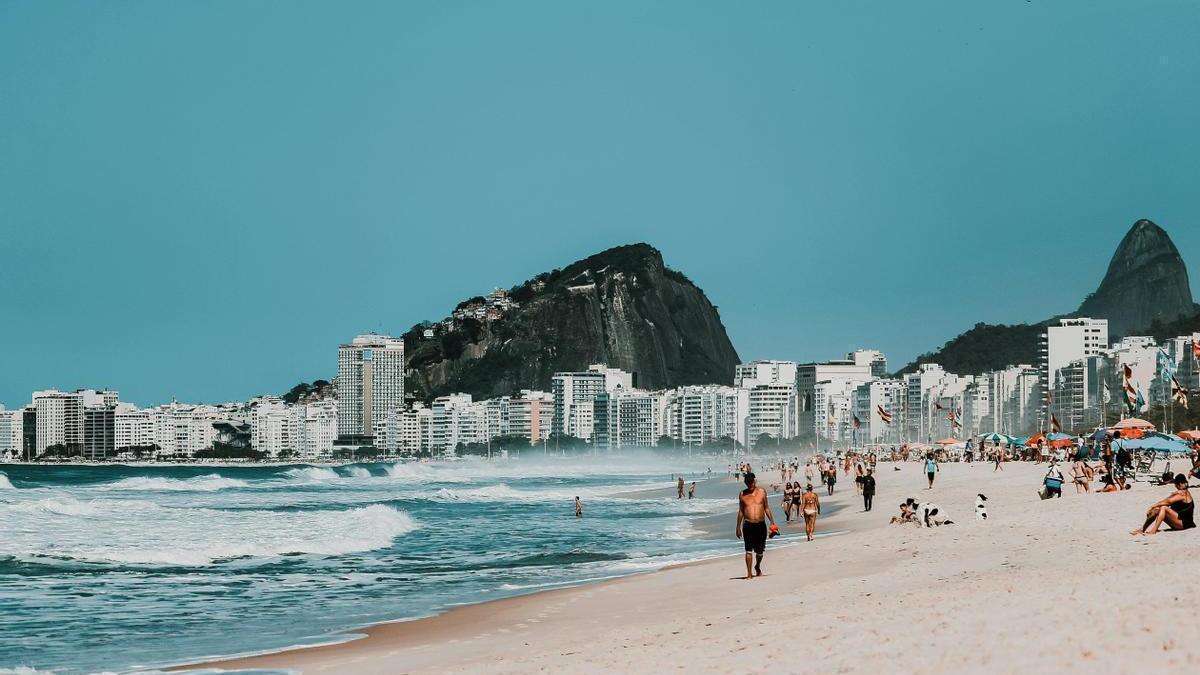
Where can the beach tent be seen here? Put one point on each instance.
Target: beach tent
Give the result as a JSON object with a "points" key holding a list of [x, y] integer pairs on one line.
{"points": [[1133, 423]]}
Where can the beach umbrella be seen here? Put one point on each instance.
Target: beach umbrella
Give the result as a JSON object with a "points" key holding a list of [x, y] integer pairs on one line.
{"points": [[1158, 444], [997, 437], [1023, 440], [1129, 433], [1033, 440], [1133, 423], [949, 441], [1192, 435], [1099, 435]]}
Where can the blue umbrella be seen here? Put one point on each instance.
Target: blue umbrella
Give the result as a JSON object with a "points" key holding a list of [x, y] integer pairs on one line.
{"points": [[1158, 443], [1099, 435]]}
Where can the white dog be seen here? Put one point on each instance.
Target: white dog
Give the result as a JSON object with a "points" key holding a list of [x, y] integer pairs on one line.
{"points": [[981, 507]]}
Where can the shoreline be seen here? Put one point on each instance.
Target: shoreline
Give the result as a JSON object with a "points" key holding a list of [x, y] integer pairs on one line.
{"points": [[949, 599], [415, 632]]}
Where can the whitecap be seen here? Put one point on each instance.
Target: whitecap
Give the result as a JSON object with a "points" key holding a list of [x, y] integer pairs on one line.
{"points": [[356, 472], [206, 483], [311, 473]]}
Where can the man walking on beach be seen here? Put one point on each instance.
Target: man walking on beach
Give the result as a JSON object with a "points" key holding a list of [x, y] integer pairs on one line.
{"points": [[752, 508], [810, 505]]}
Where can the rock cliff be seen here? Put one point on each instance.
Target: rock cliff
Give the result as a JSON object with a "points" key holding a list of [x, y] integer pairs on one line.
{"points": [[622, 307]]}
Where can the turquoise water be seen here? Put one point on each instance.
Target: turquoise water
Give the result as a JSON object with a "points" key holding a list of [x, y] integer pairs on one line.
{"points": [[126, 567]]}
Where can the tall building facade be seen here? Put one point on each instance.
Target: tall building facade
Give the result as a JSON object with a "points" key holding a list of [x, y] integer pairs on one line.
{"points": [[370, 386]]}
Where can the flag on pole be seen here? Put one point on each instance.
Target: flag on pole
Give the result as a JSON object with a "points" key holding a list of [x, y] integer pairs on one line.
{"points": [[857, 423], [1107, 394], [1179, 393], [1131, 394], [1166, 367], [1142, 404], [1055, 425], [884, 415]]}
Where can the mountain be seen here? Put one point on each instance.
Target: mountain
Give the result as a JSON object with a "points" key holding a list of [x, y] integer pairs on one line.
{"points": [[1147, 281], [623, 307], [1145, 291]]}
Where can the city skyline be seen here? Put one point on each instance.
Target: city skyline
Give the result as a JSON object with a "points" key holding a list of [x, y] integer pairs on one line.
{"points": [[446, 154]]}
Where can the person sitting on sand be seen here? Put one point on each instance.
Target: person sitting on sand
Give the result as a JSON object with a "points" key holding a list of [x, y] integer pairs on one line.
{"points": [[1177, 510], [810, 505], [1110, 485], [752, 507], [907, 515]]}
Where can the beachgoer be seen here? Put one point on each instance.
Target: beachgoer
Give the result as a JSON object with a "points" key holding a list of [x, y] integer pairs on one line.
{"points": [[578, 508], [931, 469], [810, 505], [1053, 481], [680, 486], [999, 458], [907, 515], [868, 489], [809, 472], [1177, 511], [831, 478], [787, 502], [692, 490], [752, 507], [1079, 475]]}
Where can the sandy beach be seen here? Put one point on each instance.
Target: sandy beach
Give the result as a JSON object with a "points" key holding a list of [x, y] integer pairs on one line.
{"points": [[1042, 585]]}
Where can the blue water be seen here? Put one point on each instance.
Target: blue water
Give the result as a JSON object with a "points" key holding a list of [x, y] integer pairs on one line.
{"points": [[126, 567]]}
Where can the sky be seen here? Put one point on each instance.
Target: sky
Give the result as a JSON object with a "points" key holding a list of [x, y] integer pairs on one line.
{"points": [[201, 200]]}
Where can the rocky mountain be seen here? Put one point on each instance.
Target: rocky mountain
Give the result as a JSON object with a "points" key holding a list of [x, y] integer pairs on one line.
{"points": [[1147, 281], [1145, 291], [622, 307]]}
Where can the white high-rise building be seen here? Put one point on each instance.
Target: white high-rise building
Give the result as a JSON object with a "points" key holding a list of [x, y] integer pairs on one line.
{"points": [[456, 419], [836, 379], [872, 358], [531, 415], [574, 393], [370, 385], [772, 412], [879, 407], [695, 415], [755, 373], [273, 425], [318, 429], [1071, 340], [625, 419], [12, 431], [133, 427]]}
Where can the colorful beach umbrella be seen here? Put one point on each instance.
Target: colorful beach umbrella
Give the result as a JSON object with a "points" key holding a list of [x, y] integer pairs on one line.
{"points": [[997, 437], [1133, 423], [1191, 435]]}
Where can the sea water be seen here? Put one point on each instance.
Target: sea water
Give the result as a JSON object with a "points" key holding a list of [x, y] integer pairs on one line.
{"points": [[126, 567]]}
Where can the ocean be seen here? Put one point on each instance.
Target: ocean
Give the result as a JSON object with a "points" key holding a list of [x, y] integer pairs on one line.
{"points": [[124, 568]]}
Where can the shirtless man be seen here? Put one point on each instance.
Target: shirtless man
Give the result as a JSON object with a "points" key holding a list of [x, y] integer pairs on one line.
{"points": [[680, 486], [810, 505], [752, 507]]}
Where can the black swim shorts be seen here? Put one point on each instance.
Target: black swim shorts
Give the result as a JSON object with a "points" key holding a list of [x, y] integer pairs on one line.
{"points": [[754, 535]]}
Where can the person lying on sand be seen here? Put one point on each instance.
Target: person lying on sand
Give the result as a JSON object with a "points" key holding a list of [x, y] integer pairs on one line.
{"points": [[752, 507], [1177, 510]]}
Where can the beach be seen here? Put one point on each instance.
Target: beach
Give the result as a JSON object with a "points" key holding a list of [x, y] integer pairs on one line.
{"points": [[1041, 585]]}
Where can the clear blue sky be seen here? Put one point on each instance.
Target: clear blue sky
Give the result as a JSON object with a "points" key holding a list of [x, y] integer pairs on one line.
{"points": [[201, 199]]}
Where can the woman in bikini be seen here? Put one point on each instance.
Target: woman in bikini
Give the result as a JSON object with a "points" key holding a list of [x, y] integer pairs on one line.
{"points": [[1178, 510], [787, 502]]}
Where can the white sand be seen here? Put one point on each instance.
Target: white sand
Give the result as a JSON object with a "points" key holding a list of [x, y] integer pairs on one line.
{"points": [[1043, 586]]}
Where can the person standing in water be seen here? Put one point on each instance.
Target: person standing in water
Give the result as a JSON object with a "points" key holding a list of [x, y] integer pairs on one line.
{"points": [[680, 486], [751, 526], [692, 490], [578, 508], [810, 505]]}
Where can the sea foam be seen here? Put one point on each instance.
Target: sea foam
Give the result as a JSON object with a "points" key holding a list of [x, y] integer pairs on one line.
{"points": [[5, 483], [206, 483]]}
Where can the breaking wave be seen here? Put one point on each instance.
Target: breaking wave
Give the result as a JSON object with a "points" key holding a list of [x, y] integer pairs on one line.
{"points": [[206, 483], [311, 473], [5, 483]]}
